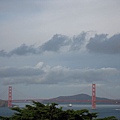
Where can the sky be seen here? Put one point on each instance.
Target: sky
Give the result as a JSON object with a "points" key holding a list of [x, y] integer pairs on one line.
{"points": [[51, 48]]}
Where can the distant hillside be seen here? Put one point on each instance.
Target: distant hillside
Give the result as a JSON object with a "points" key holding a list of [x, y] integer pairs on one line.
{"points": [[79, 99], [3, 103]]}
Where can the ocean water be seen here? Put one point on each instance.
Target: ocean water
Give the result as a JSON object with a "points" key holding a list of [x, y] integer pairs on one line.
{"points": [[102, 110]]}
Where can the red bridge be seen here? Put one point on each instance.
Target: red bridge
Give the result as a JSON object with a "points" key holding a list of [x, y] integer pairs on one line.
{"points": [[93, 99]]}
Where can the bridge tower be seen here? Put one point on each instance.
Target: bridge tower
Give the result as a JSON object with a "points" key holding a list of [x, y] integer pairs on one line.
{"points": [[93, 96], [10, 96]]}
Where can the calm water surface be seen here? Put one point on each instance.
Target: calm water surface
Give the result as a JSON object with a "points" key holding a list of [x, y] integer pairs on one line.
{"points": [[102, 110]]}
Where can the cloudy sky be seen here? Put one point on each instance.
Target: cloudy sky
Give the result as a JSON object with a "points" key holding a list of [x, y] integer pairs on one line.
{"points": [[51, 48]]}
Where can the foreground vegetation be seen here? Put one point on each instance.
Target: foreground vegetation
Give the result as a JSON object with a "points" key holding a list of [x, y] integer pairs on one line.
{"points": [[39, 111]]}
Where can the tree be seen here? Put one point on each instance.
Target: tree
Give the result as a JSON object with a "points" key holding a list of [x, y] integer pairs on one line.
{"points": [[39, 111]]}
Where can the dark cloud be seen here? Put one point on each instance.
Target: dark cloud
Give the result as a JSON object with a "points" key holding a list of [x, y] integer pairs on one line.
{"points": [[102, 44], [55, 43], [23, 50], [97, 43]]}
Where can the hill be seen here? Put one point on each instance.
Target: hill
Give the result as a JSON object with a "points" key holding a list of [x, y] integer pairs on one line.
{"points": [[80, 99]]}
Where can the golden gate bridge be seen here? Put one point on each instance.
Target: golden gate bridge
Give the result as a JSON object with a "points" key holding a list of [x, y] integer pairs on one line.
{"points": [[93, 100]]}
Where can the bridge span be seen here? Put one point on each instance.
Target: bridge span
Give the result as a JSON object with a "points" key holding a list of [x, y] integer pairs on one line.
{"points": [[92, 101]]}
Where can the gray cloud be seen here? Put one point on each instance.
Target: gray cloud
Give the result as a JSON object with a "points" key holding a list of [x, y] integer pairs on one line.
{"points": [[78, 41], [3, 53], [20, 51], [55, 43], [19, 72], [97, 43], [102, 44], [63, 43], [44, 74], [23, 50]]}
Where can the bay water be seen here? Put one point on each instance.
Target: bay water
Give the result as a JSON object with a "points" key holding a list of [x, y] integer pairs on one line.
{"points": [[102, 110]]}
